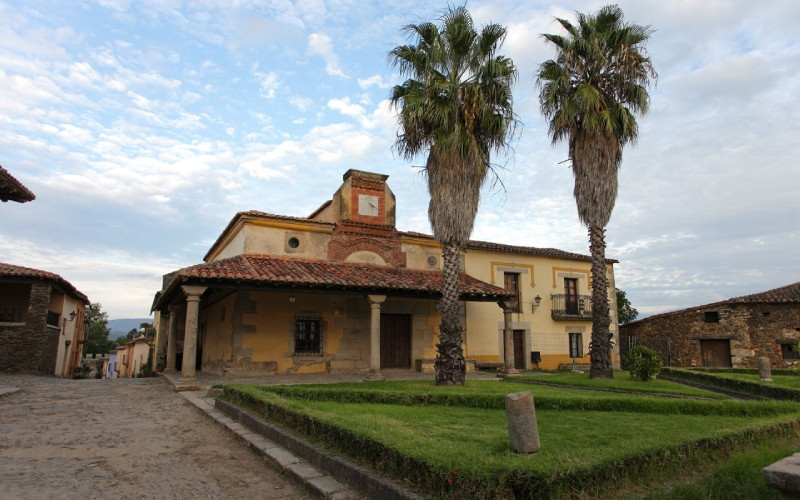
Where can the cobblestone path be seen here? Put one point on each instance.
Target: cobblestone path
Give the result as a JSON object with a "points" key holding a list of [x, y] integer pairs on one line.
{"points": [[129, 438]]}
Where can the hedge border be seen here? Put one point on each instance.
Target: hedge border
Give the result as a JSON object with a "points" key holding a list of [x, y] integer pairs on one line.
{"points": [[432, 480], [729, 384], [635, 403]]}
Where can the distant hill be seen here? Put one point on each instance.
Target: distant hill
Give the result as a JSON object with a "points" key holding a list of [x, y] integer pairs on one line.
{"points": [[121, 327]]}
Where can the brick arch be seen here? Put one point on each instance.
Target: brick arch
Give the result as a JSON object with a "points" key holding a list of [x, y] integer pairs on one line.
{"points": [[388, 249]]}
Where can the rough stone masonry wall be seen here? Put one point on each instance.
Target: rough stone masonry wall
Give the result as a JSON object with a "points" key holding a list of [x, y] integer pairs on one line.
{"points": [[32, 347], [753, 330]]}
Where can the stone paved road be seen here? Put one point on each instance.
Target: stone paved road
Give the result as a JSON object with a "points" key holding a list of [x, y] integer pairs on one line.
{"points": [[130, 438]]}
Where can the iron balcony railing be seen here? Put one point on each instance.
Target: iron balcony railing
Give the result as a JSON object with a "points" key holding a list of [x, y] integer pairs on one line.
{"points": [[10, 314], [571, 306]]}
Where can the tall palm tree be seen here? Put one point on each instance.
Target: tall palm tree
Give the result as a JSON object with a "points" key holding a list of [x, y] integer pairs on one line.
{"points": [[456, 106], [589, 92]]}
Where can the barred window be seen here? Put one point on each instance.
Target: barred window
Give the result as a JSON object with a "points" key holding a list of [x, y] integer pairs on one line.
{"points": [[308, 336]]}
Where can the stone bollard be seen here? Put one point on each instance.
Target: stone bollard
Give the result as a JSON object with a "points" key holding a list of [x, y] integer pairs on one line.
{"points": [[523, 430], [764, 370]]}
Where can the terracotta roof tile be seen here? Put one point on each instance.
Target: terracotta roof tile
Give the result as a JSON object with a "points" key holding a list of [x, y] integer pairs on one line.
{"points": [[500, 247], [783, 295], [313, 274], [12, 189], [789, 294], [12, 271]]}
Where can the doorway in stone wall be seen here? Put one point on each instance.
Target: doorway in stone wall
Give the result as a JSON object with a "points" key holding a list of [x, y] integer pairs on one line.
{"points": [[716, 353], [395, 341]]}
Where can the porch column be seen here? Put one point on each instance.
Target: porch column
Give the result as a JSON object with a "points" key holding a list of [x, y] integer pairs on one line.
{"points": [[159, 348], [172, 339], [188, 382], [375, 302], [508, 337]]}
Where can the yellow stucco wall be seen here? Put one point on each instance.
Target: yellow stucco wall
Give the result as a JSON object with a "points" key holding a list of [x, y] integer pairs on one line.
{"points": [[232, 247], [273, 323], [216, 324], [538, 276]]}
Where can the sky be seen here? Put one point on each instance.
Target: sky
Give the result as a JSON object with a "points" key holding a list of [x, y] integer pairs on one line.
{"points": [[142, 127]]}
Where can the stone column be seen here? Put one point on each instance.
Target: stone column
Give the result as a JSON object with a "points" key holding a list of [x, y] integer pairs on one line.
{"points": [[172, 340], [160, 339], [188, 382], [523, 430], [764, 369], [375, 302], [508, 337]]}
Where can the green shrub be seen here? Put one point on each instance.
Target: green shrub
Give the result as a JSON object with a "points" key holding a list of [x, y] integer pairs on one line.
{"points": [[643, 363]]}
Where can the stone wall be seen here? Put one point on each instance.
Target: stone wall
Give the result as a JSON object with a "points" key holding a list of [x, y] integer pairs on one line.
{"points": [[753, 330], [31, 347]]}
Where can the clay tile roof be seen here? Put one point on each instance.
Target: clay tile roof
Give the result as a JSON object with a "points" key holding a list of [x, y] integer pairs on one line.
{"points": [[500, 247], [12, 189], [312, 274], [789, 294], [783, 295], [27, 273]]}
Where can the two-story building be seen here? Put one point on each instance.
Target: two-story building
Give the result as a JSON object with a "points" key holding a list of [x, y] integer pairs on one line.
{"points": [[343, 290]]}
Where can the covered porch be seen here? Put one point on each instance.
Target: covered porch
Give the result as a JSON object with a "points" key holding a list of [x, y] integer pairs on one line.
{"points": [[254, 315]]}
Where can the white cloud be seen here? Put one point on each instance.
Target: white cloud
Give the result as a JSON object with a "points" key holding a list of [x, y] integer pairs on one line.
{"points": [[320, 44], [269, 84], [301, 103], [373, 81]]}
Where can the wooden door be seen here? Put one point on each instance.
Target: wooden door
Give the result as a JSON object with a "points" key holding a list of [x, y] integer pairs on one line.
{"points": [[519, 349], [716, 353], [395, 341]]}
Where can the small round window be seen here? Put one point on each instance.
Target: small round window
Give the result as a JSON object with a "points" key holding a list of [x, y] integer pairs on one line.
{"points": [[294, 243], [432, 261]]}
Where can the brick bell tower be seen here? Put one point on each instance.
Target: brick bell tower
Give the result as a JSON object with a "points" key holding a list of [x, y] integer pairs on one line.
{"points": [[364, 213]]}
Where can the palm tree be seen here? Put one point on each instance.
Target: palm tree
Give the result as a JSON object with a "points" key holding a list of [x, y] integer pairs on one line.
{"points": [[599, 78], [456, 106]]}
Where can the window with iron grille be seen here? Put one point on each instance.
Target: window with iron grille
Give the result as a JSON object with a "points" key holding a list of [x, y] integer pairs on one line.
{"points": [[308, 336], [789, 351], [575, 345]]}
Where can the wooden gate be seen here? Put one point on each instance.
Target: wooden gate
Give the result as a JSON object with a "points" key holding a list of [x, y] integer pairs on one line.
{"points": [[716, 352], [395, 341]]}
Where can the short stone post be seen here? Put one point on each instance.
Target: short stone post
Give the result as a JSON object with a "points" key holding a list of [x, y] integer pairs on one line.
{"points": [[764, 370], [523, 431]]}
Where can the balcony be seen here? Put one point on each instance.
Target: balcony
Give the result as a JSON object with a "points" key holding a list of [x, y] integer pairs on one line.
{"points": [[571, 307]]}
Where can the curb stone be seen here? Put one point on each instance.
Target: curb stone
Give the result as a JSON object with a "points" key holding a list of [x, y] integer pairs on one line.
{"points": [[318, 483], [366, 482], [324, 475]]}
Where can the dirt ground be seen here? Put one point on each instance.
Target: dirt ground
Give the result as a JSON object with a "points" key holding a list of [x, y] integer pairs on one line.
{"points": [[125, 438]]}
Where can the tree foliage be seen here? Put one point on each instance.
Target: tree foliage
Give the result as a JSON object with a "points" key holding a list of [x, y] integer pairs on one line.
{"points": [[643, 363], [589, 94], [456, 107], [625, 311], [96, 339]]}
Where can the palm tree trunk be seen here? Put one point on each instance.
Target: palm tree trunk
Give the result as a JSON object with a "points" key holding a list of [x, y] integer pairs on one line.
{"points": [[600, 347], [450, 366]]}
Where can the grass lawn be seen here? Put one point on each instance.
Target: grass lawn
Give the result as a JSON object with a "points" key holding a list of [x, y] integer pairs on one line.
{"points": [[622, 381], [462, 443]]}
